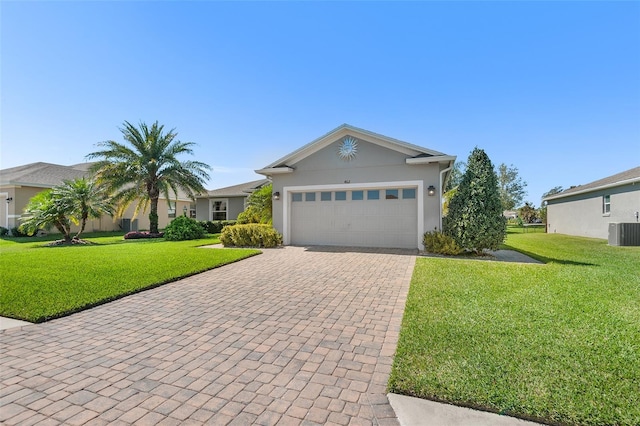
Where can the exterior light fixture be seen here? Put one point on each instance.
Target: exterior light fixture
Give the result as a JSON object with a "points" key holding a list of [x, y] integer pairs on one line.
{"points": [[431, 191], [10, 199], [276, 196], [184, 210]]}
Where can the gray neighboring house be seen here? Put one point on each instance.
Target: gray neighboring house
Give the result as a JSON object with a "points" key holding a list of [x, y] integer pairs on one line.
{"points": [[586, 210], [226, 203], [353, 187]]}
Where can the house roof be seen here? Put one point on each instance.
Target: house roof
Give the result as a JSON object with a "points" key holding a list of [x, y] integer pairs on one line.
{"points": [[240, 190], [42, 175], [416, 153], [619, 179], [48, 175]]}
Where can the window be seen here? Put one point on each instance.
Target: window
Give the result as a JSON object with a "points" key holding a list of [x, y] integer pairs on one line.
{"points": [[373, 194], [606, 204], [325, 196], [297, 196], [341, 195], [219, 210], [171, 208], [391, 194], [310, 196], [357, 195], [192, 211], [408, 193]]}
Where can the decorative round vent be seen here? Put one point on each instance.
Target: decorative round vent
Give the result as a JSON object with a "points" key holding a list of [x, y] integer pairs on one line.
{"points": [[348, 148]]}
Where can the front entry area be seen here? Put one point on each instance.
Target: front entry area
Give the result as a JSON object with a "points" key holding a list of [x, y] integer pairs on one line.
{"points": [[358, 217]]}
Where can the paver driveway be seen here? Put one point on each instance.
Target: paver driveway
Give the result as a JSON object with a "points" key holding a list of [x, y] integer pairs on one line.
{"points": [[292, 336]]}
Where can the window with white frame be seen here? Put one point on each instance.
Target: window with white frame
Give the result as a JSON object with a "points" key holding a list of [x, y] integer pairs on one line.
{"points": [[606, 204], [171, 208], [219, 210]]}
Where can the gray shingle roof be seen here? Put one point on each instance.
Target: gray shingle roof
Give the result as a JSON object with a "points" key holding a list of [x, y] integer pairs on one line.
{"points": [[241, 190], [628, 176], [44, 175]]}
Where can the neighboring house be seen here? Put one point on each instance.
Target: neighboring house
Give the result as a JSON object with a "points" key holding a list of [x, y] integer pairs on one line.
{"points": [[587, 210], [353, 187], [19, 184], [226, 203]]}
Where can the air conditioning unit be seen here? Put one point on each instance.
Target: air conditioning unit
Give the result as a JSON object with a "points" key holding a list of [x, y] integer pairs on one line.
{"points": [[624, 234]]}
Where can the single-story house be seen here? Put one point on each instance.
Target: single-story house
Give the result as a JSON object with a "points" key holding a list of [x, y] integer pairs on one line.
{"points": [[353, 187], [226, 203], [587, 210], [19, 184]]}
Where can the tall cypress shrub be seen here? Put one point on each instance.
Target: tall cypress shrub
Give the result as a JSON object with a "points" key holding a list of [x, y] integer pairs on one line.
{"points": [[475, 220]]}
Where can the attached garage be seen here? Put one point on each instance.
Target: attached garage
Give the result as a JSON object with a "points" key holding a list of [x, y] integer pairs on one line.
{"points": [[359, 216], [356, 188]]}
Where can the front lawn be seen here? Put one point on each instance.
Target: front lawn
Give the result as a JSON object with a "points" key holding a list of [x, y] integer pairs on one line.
{"points": [[41, 283], [558, 342]]}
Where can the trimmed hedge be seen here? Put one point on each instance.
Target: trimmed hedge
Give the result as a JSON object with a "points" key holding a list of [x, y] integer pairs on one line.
{"points": [[216, 226], [250, 235], [136, 235], [439, 243]]}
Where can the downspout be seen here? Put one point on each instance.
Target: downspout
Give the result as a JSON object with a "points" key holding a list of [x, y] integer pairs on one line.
{"points": [[441, 192]]}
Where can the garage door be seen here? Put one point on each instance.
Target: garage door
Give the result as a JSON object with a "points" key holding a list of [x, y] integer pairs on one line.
{"points": [[385, 217]]}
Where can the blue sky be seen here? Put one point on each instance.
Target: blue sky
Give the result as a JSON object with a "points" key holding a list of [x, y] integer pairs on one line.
{"points": [[550, 87]]}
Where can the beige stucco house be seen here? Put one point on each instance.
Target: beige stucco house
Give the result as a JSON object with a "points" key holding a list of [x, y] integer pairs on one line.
{"points": [[226, 203], [353, 187], [19, 184], [587, 210]]}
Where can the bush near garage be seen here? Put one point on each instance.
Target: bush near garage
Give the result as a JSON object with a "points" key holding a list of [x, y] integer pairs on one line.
{"points": [[250, 235], [439, 243], [216, 226], [183, 228]]}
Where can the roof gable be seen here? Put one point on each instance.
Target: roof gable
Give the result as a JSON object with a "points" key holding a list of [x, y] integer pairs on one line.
{"points": [[619, 179], [410, 150], [240, 190]]}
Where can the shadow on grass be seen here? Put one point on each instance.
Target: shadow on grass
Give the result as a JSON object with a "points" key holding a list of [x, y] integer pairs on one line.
{"points": [[545, 259]]}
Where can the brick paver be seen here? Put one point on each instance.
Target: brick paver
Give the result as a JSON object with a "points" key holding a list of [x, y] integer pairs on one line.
{"points": [[292, 336]]}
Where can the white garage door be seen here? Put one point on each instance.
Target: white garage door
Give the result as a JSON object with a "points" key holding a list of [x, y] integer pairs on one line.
{"points": [[385, 217]]}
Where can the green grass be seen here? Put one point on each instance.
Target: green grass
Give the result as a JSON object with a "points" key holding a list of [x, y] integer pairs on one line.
{"points": [[559, 342], [40, 283]]}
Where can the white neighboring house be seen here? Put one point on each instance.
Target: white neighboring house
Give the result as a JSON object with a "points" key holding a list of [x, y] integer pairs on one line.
{"points": [[586, 210], [353, 187]]}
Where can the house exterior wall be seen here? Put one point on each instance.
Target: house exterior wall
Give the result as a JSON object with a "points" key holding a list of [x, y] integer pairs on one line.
{"points": [[372, 164], [10, 212], [203, 209], [582, 214], [235, 207]]}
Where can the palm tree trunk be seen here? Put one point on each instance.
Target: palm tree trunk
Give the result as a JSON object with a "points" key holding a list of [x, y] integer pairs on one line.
{"points": [[153, 216]]}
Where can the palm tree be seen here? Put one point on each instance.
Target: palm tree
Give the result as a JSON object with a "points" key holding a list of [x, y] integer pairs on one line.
{"points": [[146, 167], [46, 210], [84, 199]]}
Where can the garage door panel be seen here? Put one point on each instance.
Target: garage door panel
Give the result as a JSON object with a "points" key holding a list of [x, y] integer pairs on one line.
{"points": [[360, 223]]}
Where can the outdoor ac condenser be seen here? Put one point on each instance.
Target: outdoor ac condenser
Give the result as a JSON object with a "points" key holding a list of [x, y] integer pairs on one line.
{"points": [[624, 234]]}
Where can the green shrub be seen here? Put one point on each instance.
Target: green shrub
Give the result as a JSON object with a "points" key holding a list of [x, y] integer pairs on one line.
{"points": [[3, 231], [216, 226], [183, 228], [248, 216], [16, 232], [250, 235], [437, 242]]}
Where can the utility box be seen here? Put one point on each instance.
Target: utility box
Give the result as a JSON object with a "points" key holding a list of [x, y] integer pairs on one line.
{"points": [[624, 234]]}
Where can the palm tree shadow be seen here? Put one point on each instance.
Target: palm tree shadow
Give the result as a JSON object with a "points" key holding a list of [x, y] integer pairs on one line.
{"points": [[545, 259]]}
